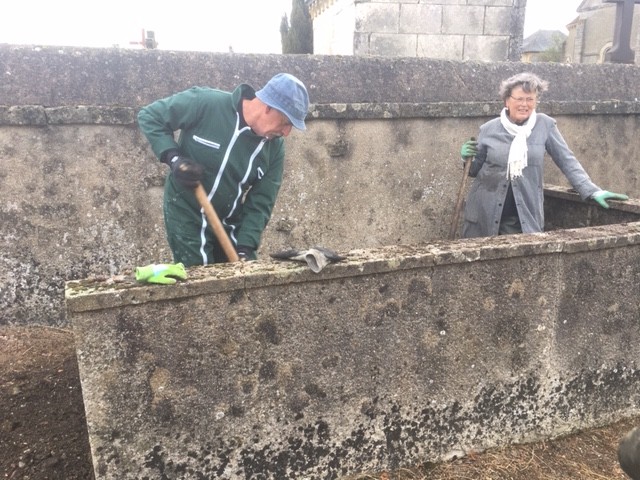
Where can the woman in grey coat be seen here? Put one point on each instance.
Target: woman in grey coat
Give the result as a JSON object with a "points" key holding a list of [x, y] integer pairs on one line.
{"points": [[507, 162]]}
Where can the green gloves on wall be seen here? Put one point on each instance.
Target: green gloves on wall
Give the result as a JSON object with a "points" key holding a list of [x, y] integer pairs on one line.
{"points": [[161, 273]]}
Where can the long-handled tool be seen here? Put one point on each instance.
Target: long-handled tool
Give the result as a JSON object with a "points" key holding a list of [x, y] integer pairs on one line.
{"points": [[216, 224], [456, 213]]}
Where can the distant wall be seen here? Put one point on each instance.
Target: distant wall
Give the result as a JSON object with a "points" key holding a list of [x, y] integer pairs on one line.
{"points": [[80, 191], [480, 30]]}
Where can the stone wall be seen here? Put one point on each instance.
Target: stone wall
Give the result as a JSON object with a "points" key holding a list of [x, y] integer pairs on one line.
{"points": [[80, 191], [395, 357], [481, 30]]}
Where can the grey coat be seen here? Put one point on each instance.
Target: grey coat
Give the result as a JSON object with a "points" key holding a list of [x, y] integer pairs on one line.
{"points": [[486, 197]]}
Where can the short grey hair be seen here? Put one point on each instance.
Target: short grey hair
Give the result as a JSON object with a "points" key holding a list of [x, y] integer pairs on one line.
{"points": [[529, 82]]}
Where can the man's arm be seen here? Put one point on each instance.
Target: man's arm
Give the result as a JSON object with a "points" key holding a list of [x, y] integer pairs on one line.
{"points": [[159, 120]]}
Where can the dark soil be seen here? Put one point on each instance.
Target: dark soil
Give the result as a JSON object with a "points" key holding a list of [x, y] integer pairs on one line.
{"points": [[42, 424], [43, 432]]}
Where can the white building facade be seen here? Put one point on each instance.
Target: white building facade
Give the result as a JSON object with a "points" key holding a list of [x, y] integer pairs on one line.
{"points": [[480, 30]]}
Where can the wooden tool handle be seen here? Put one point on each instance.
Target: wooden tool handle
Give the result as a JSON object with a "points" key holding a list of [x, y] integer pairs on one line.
{"points": [[216, 224], [456, 214]]}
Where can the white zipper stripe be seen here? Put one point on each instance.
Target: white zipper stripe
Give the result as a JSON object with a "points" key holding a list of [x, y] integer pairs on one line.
{"points": [[204, 141], [216, 184], [239, 192]]}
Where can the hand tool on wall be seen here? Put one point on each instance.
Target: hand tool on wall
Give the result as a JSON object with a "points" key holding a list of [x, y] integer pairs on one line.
{"points": [[456, 213], [216, 224], [316, 257]]}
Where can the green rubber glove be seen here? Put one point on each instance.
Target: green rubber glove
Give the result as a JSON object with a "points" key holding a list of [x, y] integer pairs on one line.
{"points": [[602, 196], [469, 149], [161, 273]]}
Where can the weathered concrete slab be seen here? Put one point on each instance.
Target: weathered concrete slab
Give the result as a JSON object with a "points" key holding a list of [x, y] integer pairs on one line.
{"points": [[59, 76], [397, 356], [378, 165]]}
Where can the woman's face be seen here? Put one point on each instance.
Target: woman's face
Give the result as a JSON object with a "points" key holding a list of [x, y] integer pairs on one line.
{"points": [[520, 105]]}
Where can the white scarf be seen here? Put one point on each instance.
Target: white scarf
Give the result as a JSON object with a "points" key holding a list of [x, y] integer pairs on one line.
{"points": [[518, 152]]}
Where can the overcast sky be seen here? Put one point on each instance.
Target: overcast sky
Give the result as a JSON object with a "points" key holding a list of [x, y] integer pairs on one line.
{"points": [[247, 26]]}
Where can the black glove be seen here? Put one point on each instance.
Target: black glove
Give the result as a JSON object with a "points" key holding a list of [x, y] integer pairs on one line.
{"points": [[245, 253], [184, 170]]}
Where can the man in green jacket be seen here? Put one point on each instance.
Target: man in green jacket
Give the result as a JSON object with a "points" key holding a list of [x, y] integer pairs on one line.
{"points": [[231, 143]]}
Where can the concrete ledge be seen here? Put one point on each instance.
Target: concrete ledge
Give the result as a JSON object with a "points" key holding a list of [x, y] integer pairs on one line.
{"points": [[399, 355], [59, 76], [34, 115]]}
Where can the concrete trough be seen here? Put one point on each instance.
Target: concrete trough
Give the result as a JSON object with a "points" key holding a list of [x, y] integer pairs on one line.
{"points": [[391, 358]]}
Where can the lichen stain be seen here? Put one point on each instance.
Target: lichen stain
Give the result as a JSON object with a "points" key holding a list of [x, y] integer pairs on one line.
{"points": [[489, 304], [381, 314], [268, 370], [583, 276], [389, 434], [613, 308], [430, 339], [577, 396], [131, 335], [226, 345], [313, 390], [331, 361], [299, 402], [269, 332], [158, 382], [516, 289], [421, 288]]}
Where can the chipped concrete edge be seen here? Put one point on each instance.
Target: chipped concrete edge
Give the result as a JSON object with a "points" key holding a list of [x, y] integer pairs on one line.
{"points": [[87, 295], [38, 115]]}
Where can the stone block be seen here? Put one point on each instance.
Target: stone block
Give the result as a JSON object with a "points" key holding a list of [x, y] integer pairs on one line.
{"points": [[497, 21], [441, 46], [491, 48], [493, 3], [421, 19], [378, 17], [462, 20], [395, 45], [444, 2]]}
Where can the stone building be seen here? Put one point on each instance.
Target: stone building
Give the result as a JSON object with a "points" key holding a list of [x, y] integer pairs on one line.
{"points": [[591, 33], [544, 46], [481, 30]]}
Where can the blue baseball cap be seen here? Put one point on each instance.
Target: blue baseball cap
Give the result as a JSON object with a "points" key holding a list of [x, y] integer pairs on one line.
{"points": [[286, 93]]}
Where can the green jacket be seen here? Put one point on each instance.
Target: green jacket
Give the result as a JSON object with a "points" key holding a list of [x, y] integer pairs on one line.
{"points": [[243, 171]]}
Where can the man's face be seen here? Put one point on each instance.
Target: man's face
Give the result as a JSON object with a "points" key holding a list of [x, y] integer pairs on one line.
{"points": [[272, 124]]}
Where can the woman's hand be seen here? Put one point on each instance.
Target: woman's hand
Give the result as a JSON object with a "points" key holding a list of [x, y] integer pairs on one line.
{"points": [[602, 196], [469, 149]]}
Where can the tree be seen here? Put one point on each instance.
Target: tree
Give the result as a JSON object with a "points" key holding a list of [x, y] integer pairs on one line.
{"points": [[284, 34], [297, 36]]}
